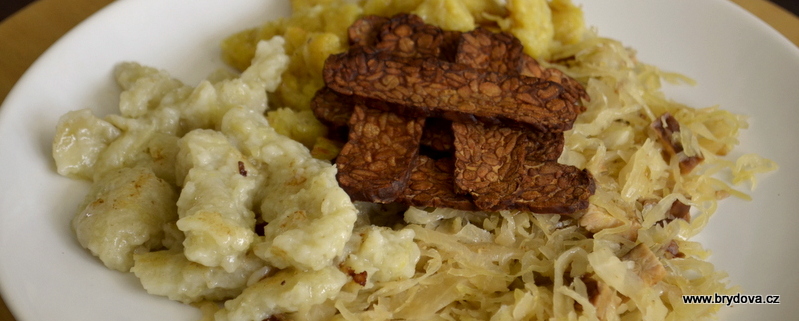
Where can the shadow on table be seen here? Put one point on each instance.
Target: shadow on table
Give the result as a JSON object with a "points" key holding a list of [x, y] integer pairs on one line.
{"points": [[8, 7]]}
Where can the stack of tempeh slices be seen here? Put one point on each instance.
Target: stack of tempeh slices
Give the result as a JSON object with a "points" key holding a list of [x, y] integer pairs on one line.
{"points": [[449, 119]]}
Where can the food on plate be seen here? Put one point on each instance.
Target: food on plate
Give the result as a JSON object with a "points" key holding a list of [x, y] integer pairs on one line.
{"points": [[232, 194]]}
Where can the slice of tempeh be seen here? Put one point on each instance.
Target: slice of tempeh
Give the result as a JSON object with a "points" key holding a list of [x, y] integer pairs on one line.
{"points": [[502, 52], [551, 187], [485, 164], [331, 108], [403, 35], [498, 52], [365, 31], [375, 163], [407, 35], [494, 149], [431, 181], [431, 184], [490, 165], [450, 90]]}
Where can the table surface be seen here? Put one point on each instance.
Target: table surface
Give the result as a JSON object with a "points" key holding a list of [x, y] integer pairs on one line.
{"points": [[23, 38]]}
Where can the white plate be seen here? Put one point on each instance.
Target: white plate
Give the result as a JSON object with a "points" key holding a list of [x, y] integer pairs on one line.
{"points": [[739, 62]]}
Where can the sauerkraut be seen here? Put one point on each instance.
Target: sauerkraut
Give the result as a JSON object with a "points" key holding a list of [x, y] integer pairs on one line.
{"points": [[287, 243]]}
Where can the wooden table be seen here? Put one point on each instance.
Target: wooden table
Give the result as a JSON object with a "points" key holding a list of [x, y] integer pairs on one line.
{"points": [[27, 34]]}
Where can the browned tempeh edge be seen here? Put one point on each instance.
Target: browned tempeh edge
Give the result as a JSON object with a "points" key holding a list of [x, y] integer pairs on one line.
{"points": [[331, 108], [431, 184], [502, 52], [407, 35], [504, 168], [453, 91], [573, 89], [364, 31], [547, 184], [375, 163]]}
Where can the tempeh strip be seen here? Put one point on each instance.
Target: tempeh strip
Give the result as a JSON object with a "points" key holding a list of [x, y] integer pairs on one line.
{"points": [[485, 166], [331, 108], [407, 35], [453, 91], [550, 187], [573, 90], [489, 147], [506, 135], [492, 168], [375, 163], [365, 31], [431, 184], [502, 52], [498, 52]]}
